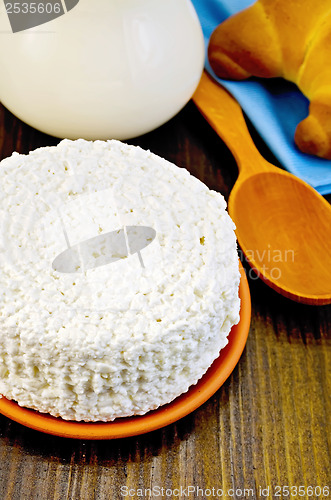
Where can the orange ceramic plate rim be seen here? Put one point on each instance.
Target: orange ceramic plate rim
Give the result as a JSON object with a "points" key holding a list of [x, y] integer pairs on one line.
{"points": [[198, 394]]}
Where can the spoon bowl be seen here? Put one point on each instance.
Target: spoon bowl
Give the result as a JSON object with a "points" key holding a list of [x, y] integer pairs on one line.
{"points": [[283, 224]]}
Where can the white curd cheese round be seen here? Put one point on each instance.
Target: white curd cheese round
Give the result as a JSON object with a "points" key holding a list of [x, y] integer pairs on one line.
{"points": [[119, 280]]}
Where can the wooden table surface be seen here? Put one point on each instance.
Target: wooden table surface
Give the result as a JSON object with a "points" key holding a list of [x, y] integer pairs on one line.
{"points": [[265, 430]]}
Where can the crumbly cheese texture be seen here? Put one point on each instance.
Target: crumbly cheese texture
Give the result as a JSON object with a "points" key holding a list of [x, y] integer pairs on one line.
{"points": [[123, 338]]}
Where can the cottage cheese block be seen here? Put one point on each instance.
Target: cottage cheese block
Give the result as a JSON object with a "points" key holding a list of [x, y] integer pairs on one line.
{"points": [[132, 332]]}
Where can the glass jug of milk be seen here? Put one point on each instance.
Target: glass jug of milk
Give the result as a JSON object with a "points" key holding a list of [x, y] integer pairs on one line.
{"points": [[99, 69]]}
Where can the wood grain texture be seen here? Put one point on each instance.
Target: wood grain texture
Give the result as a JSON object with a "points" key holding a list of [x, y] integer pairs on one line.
{"points": [[268, 425], [271, 208]]}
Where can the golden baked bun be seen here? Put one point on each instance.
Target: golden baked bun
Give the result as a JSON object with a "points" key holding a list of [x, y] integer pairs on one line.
{"points": [[283, 38]]}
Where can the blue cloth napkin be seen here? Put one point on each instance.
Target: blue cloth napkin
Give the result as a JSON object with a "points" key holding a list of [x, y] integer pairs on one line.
{"points": [[274, 107]]}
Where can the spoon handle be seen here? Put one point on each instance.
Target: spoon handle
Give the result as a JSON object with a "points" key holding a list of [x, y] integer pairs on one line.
{"points": [[224, 114]]}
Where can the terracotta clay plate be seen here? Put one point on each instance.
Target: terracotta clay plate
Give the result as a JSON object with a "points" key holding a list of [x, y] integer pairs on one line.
{"points": [[165, 415]]}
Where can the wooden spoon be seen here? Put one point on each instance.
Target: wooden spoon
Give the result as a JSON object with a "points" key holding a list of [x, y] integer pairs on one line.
{"points": [[283, 224]]}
